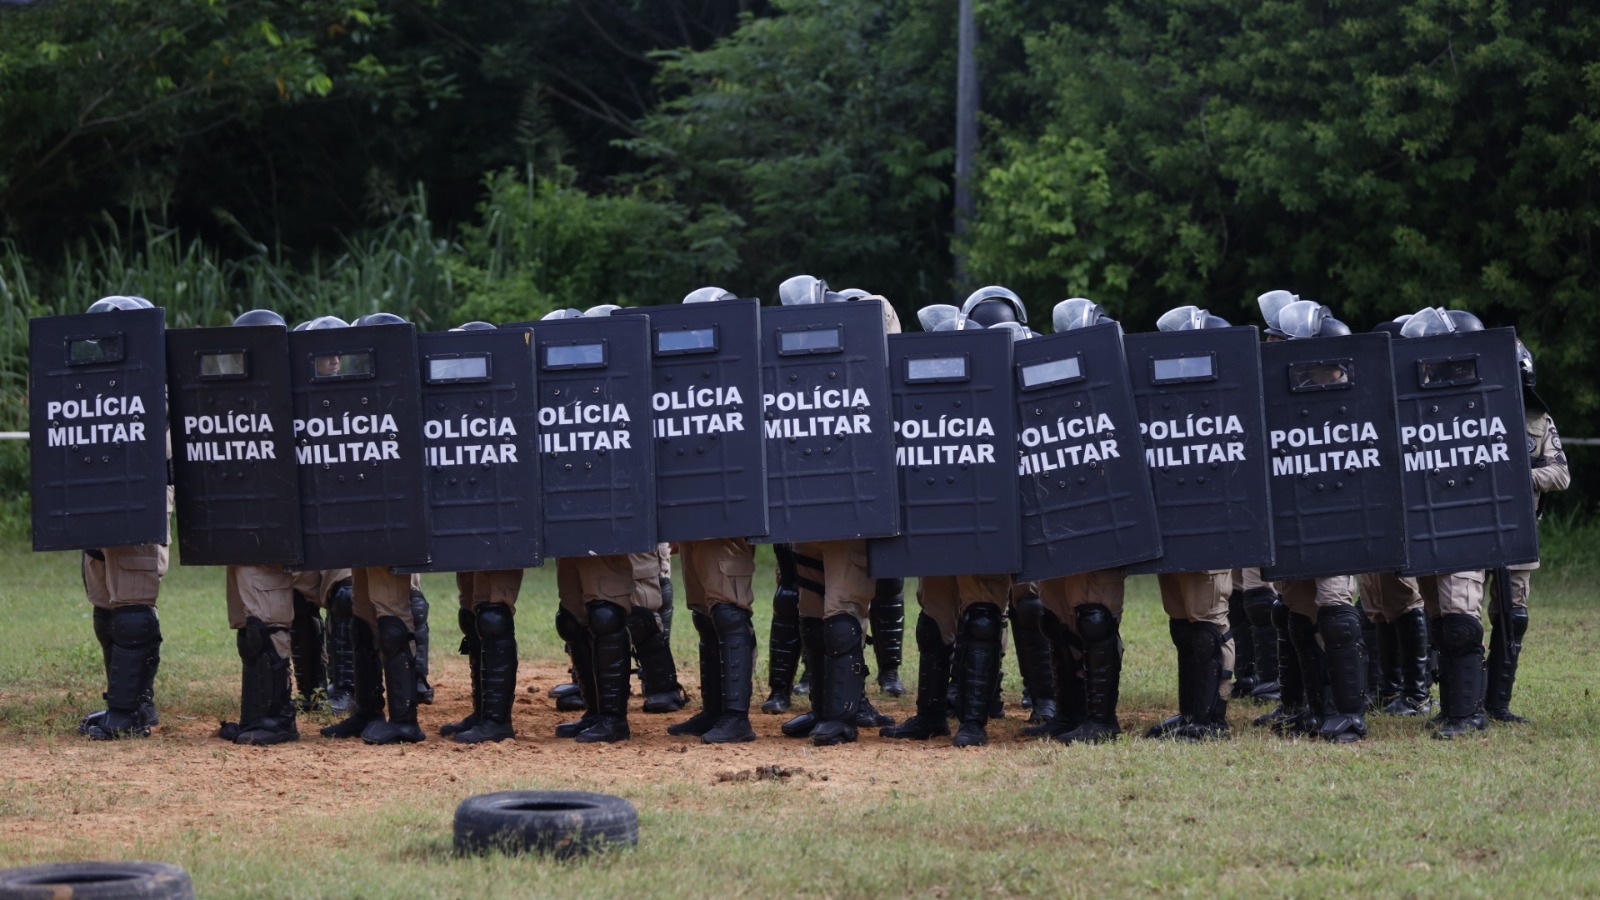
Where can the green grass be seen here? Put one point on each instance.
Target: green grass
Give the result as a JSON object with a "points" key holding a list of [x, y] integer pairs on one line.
{"points": [[1512, 813]]}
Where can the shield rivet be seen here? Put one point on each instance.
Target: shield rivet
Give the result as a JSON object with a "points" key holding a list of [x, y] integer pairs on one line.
{"points": [[326, 404], [366, 401], [1450, 483]]}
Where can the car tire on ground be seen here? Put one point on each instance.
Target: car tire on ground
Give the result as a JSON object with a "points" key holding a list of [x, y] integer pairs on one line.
{"points": [[563, 824], [97, 881]]}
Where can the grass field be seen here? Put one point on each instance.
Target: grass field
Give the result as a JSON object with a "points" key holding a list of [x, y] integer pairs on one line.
{"points": [[1515, 812]]}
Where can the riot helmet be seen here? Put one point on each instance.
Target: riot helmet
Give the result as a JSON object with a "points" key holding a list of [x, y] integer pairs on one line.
{"points": [[474, 325], [118, 301], [853, 294], [601, 311], [994, 304], [1272, 303], [1189, 318], [1078, 312], [801, 290], [1432, 320], [1391, 328], [321, 322], [1308, 319], [568, 313], [707, 295], [939, 317], [257, 317], [378, 318], [1019, 332], [1525, 365]]}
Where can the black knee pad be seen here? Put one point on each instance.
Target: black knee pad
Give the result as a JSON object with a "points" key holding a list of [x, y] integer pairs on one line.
{"points": [[342, 598], [643, 624], [841, 635], [1052, 626], [783, 554], [1340, 626], [1027, 611], [727, 618], [135, 626], [305, 609], [1460, 633], [419, 608], [570, 628], [495, 621], [1096, 623], [1178, 631], [1205, 639], [393, 635], [786, 602], [1280, 613], [1519, 621], [668, 592], [888, 589], [1258, 606], [982, 622], [605, 617], [928, 632], [254, 637], [468, 620]]}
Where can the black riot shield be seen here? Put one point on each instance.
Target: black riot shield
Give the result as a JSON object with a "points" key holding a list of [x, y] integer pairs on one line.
{"points": [[358, 446], [1087, 503], [955, 432], [1469, 500], [97, 419], [233, 446], [1198, 394], [711, 465], [1334, 445], [480, 407], [827, 423], [594, 435]]}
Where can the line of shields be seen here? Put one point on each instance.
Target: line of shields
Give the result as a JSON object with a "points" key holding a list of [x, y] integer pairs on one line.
{"points": [[961, 452]]}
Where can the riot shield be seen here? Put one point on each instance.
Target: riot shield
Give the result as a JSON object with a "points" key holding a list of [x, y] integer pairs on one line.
{"points": [[594, 435], [955, 433], [233, 446], [479, 415], [711, 466], [358, 446], [97, 418], [1334, 444], [1198, 394], [827, 423], [1087, 503], [1469, 500]]}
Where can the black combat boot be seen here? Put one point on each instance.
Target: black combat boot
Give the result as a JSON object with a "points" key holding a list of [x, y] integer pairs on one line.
{"points": [[888, 615], [841, 680], [737, 655], [1102, 678], [1035, 657], [1412, 682], [710, 681], [395, 643], [253, 691], [1245, 679], [811, 637], [783, 644], [419, 621], [266, 707], [367, 679], [1066, 664], [496, 684], [472, 649], [658, 673], [1291, 690], [1504, 651], [102, 633], [668, 606], [933, 681], [1307, 719], [1258, 603], [580, 644], [1178, 631], [1345, 656], [1384, 651], [1460, 676], [341, 648], [979, 671], [608, 624], [306, 653], [135, 639]]}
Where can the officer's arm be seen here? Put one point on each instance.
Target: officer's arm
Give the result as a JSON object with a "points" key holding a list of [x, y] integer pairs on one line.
{"points": [[1550, 468]]}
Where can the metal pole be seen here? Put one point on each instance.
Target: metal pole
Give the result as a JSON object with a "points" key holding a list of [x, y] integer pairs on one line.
{"points": [[966, 128]]}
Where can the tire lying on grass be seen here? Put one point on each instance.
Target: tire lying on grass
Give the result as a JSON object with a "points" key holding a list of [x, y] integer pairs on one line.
{"points": [[97, 881], [563, 824]]}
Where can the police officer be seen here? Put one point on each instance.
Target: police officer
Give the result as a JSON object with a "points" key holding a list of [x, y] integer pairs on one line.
{"points": [[122, 584], [1256, 598], [598, 594], [783, 639], [1393, 604], [1549, 472], [650, 631], [314, 591]]}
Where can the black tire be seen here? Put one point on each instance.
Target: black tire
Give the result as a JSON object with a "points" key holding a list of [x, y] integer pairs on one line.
{"points": [[563, 824], [98, 881]]}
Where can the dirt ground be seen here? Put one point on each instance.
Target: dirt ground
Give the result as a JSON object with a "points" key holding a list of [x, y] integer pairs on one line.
{"points": [[185, 779]]}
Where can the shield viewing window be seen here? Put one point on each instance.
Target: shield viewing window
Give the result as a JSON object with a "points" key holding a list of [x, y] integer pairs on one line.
{"points": [[930, 369], [1439, 373], [1320, 375], [90, 351], [223, 364], [575, 356], [686, 340], [1180, 369], [828, 339], [456, 368], [341, 366], [1051, 372]]}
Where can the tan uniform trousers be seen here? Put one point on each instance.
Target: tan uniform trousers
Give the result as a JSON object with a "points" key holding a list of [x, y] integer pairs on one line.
{"points": [[379, 592], [847, 589], [1249, 580], [474, 589], [1458, 592], [267, 594], [1201, 597], [946, 598], [1063, 596], [664, 552], [627, 579], [1306, 595], [1386, 596], [718, 571], [314, 584], [129, 576]]}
